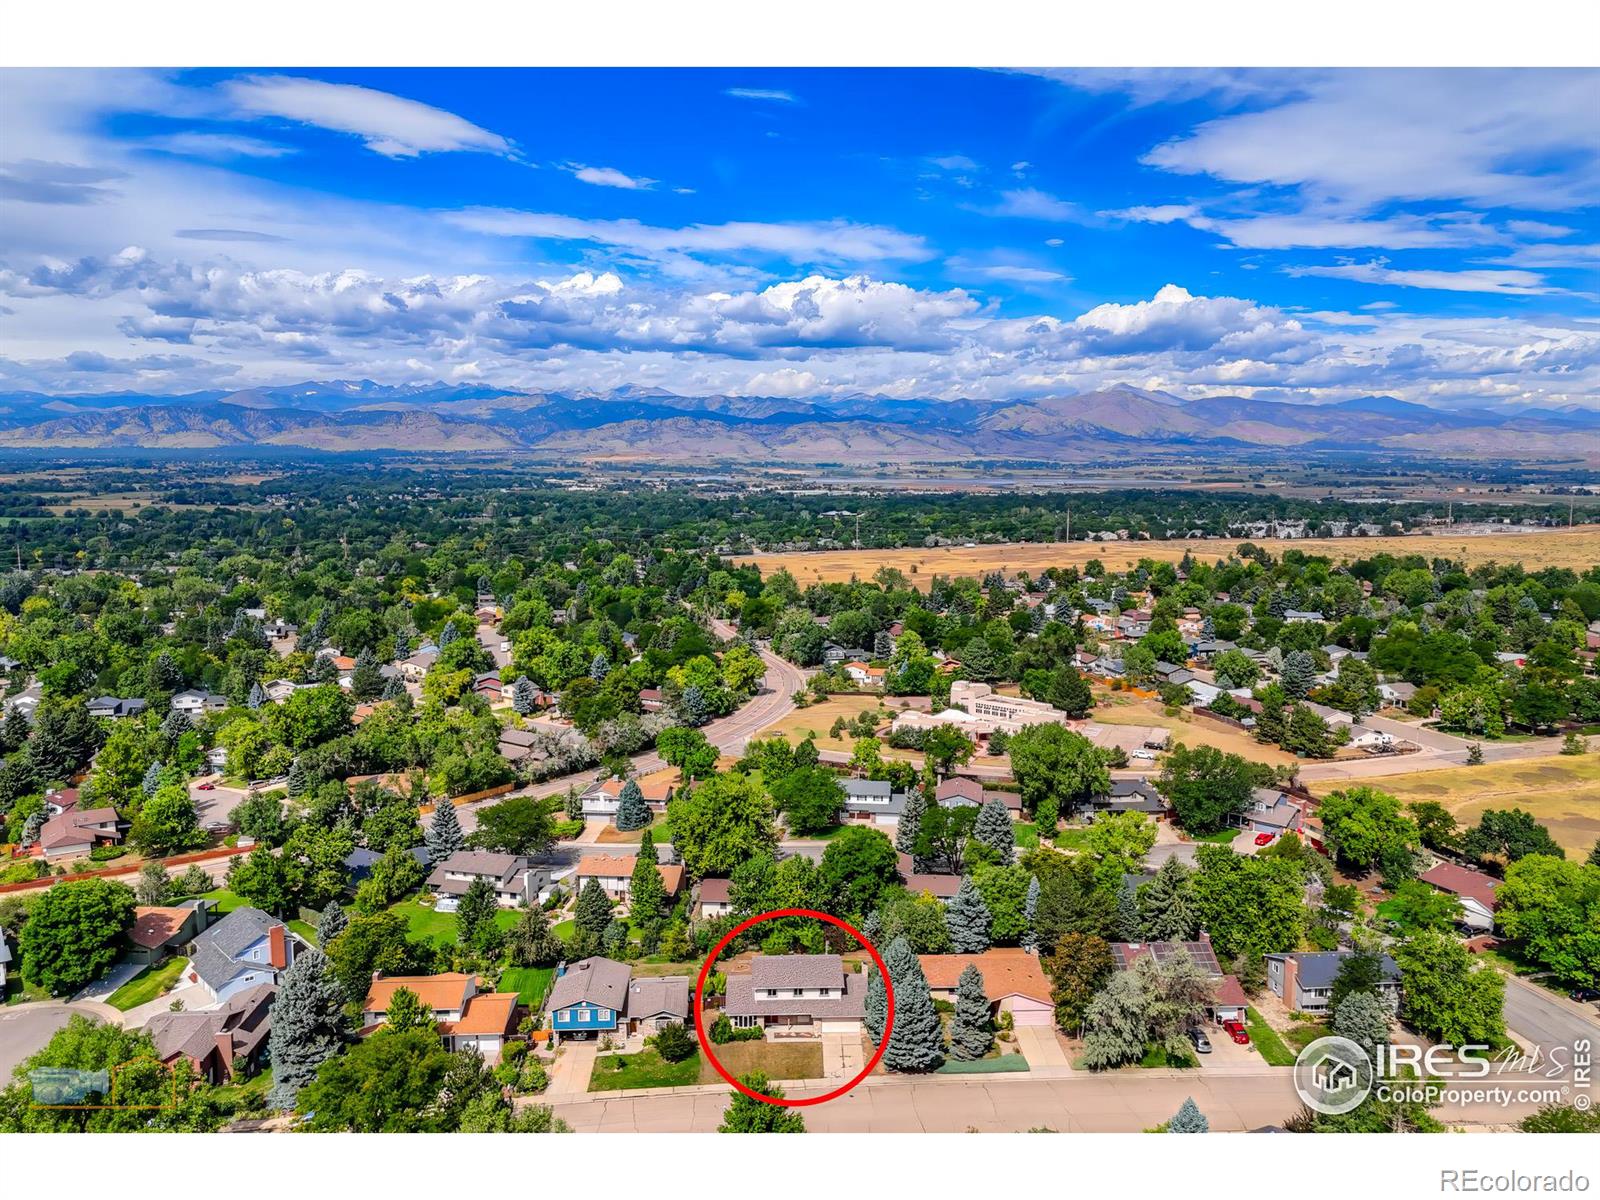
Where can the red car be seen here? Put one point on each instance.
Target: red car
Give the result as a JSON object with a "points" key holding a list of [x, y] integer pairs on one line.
{"points": [[206, 787], [1263, 839], [1237, 1032]]}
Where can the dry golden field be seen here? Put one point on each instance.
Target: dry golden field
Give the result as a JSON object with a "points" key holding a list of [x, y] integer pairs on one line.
{"points": [[1578, 548], [1112, 708], [1560, 791]]}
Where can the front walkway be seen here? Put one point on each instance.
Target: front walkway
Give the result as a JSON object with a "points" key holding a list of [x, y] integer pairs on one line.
{"points": [[569, 1074]]}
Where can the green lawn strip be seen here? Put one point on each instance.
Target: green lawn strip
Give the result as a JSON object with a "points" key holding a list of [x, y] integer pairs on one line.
{"points": [[983, 1066], [646, 1069], [565, 930], [1302, 1033], [225, 900], [1266, 1040], [529, 983], [307, 934], [1160, 1056], [1220, 838], [147, 984], [1027, 834]]}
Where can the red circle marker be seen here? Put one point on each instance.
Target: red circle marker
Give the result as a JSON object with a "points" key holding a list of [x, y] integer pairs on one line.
{"points": [[700, 996]]}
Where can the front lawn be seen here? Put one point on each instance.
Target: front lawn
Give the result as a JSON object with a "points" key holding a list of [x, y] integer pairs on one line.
{"points": [[1027, 834], [529, 983], [777, 1060], [565, 930], [225, 900], [148, 984], [1220, 838], [1266, 1040], [983, 1066], [646, 1069], [1302, 1033], [1160, 1056]]}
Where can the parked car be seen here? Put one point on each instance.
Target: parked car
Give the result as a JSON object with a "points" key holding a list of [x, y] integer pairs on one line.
{"points": [[1263, 839], [205, 787], [1202, 1043], [1237, 1032], [1143, 754]]}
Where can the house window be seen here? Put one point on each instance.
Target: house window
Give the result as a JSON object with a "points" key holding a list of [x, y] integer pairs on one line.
{"points": [[583, 1014], [603, 1014], [824, 991], [772, 991], [798, 992]]}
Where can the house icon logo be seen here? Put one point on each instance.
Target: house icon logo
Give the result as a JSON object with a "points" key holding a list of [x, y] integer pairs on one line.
{"points": [[1333, 1075]]}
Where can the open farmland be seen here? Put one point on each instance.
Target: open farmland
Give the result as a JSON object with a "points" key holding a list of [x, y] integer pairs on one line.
{"points": [[1578, 548], [1561, 792], [1114, 709]]}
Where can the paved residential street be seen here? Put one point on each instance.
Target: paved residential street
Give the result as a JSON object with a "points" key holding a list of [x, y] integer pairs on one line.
{"points": [[1538, 1017], [25, 1028]]}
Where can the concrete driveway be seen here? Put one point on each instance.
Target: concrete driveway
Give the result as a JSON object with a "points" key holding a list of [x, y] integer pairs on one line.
{"points": [[1043, 1049], [569, 1075], [842, 1055]]}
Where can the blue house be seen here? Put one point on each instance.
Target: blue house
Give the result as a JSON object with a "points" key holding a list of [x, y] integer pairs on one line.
{"points": [[588, 998]]}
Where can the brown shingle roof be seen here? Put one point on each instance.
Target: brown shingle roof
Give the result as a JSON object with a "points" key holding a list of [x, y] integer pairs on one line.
{"points": [[620, 866], [1462, 881], [439, 992], [154, 927], [796, 971], [1005, 971], [490, 1012]]}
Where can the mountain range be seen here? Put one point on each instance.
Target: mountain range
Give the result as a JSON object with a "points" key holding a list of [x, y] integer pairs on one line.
{"points": [[657, 425]]}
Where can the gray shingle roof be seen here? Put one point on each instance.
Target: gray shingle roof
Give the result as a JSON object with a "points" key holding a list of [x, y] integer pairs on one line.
{"points": [[796, 971], [598, 981], [216, 951], [667, 995], [741, 1001], [1318, 969]]}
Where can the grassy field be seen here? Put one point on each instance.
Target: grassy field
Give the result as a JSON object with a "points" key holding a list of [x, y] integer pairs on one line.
{"points": [[778, 1060], [646, 1069], [819, 718], [1267, 1042], [1562, 792], [1112, 708], [148, 984], [437, 927], [1579, 548], [528, 982]]}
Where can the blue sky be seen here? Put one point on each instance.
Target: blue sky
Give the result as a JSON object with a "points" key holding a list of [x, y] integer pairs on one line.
{"points": [[1303, 235]]}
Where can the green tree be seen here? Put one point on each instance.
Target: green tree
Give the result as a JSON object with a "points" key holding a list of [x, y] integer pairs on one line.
{"points": [[592, 913], [75, 931], [632, 812], [1052, 763], [1249, 905], [688, 750], [531, 942], [518, 825], [946, 748], [1166, 904], [1366, 828], [389, 1083], [374, 944], [810, 799], [1509, 835], [264, 879], [1364, 1019], [1551, 908], [308, 1025], [1005, 895], [916, 1042], [1446, 995], [1119, 841], [968, 920], [877, 1005], [1117, 1023], [406, 1012], [647, 895], [444, 836], [1415, 905], [475, 927], [331, 924], [943, 836], [994, 829], [1189, 1119], [747, 1115], [857, 867], [1078, 968], [1206, 787], [725, 820], [971, 1031], [167, 822]]}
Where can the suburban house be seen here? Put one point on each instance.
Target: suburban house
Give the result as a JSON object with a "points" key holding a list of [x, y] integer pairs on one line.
{"points": [[245, 948], [415, 667], [1397, 693], [1013, 981], [614, 873], [940, 887], [959, 791], [515, 879], [159, 931], [873, 800], [487, 684], [76, 831], [1295, 616], [600, 996], [651, 700], [1271, 811], [467, 1018], [1132, 795], [714, 901], [1474, 889], [603, 799], [1304, 981], [5, 958], [516, 744], [196, 703], [797, 995], [833, 654], [1127, 954], [360, 861], [655, 1002], [213, 1041], [864, 675], [279, 690], [115, 706]]}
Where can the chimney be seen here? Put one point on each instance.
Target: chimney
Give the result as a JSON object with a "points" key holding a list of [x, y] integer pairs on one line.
{"points": [[225, 1048], [1291, 976], [277, 948]]}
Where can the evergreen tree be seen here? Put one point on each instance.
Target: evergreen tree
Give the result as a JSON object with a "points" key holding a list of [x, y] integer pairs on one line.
{"points": [[592, 913], [523, 696], [910, 826], [1299, 673], [968, 920], [531, 942], [1364, 1018], [257, 697], [406, 1012], [476, 912], [971, 1033], [448, 634], [1167, 910], [366, 681], [1189, 1119], [877, 1005], [873, 927], [1475, 754], [312, 638], [614, 941], [331, 924], [632, 812], [599, 666], [994, 829], [1594, 854], [444, 836], [297, 780], [746, 1115], [393, 689], [647, 896], [916, 1042], [1127, 915], [151, 780], [692, 706], [175, 726], [31, 827], [402, 644], [1030, 910], [308, 1025]]}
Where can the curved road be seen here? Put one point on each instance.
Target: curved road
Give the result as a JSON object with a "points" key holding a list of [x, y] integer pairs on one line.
{"points": [[728, 734]]}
